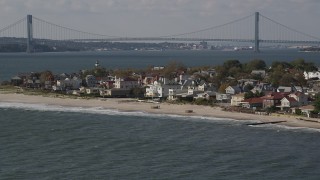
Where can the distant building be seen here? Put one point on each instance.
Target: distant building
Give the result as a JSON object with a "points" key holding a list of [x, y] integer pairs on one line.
{"points": [[310, 75], [261, 73], [91, 81]]}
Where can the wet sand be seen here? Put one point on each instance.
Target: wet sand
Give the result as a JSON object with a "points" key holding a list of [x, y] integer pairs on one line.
{"points": [[161, 108]]}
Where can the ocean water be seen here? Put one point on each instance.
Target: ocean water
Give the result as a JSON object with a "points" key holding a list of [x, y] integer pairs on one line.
{"points": [[68, 62], [39, 141], [53, 142]]}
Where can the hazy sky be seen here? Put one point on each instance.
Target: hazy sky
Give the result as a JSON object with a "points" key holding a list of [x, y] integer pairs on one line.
{"points": [[160, 17]]}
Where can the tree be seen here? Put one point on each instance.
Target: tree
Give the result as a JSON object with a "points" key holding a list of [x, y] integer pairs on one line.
{"points": [[255, 64], [280, 65], [234, 71], [46, 76], [247, 88], [232, 63], [301, 65], [286, 79], [223, 87], [316, 103], [275, 77], [172, 68], [248, 95]]}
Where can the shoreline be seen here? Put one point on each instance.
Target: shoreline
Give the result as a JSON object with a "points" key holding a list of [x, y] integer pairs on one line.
{"points": [[132, 105]]}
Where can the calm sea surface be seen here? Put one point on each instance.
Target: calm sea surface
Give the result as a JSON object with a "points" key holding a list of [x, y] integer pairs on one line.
{"points": [[38, 141], [48, 142], [13, 63]]}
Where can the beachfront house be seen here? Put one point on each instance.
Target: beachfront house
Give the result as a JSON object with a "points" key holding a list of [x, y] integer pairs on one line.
{"points": [[93, 90], [118, 93], [305, 110], [67, 84], [125, 83], [301, 98], [175, 94], [223, 97], [252, 103], [273, 99], [16, 81], [208, 95], [287, 103], [237, 99], [158, 90]]}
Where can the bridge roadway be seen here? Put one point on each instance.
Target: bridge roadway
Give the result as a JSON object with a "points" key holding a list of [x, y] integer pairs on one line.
{"points": [[158, 39], [168, 39]]}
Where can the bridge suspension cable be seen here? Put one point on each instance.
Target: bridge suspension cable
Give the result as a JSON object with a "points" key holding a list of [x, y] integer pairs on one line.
{"points": [[210, 28], [47, 30], [241, 30], [14, 33], [273, 31]]}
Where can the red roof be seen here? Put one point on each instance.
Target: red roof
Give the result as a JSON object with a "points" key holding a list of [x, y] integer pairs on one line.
{"points": [[254, 100], [298, 93], [275, 95], [291, 99]]}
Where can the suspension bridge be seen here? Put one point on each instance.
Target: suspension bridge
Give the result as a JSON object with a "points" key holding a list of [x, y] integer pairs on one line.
{"points": [[254, 29]]}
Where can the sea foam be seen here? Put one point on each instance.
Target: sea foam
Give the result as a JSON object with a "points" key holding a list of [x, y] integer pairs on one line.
{"points": [[116, 112]]}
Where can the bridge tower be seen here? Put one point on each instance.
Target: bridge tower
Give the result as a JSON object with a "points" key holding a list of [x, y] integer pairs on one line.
{"points": [[29, 34], [256, 33]]}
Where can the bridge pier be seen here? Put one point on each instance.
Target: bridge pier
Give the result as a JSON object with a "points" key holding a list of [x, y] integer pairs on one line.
{"points": [[256, 34], [29, 34]]}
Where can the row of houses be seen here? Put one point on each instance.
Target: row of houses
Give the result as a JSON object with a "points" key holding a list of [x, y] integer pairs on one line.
{"points": [[182, 87], [282, 100]]}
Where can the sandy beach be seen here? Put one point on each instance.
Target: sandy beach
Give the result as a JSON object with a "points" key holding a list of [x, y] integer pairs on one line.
{"points": [[164, 108]]}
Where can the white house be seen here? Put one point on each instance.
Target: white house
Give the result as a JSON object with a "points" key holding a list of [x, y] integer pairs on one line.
{"points": [[233, 90], [160, 90], [125, 84], [286, 89], [205, 95], [174, 93], [261, 73], [262, 87], [74, 83], [92, 90], [287, 103], [237, 99], [223, 97], [309, 75]]}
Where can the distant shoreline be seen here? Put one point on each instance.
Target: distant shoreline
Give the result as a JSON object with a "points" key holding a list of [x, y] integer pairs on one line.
{"points": [[132, 105]]}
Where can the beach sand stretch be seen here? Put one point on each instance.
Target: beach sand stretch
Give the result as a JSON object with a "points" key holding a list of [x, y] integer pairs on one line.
{"points": [[161, 108]]}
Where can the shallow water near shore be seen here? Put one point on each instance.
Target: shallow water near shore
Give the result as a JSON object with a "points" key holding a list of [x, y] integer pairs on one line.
{"points": [[52, 142]]}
